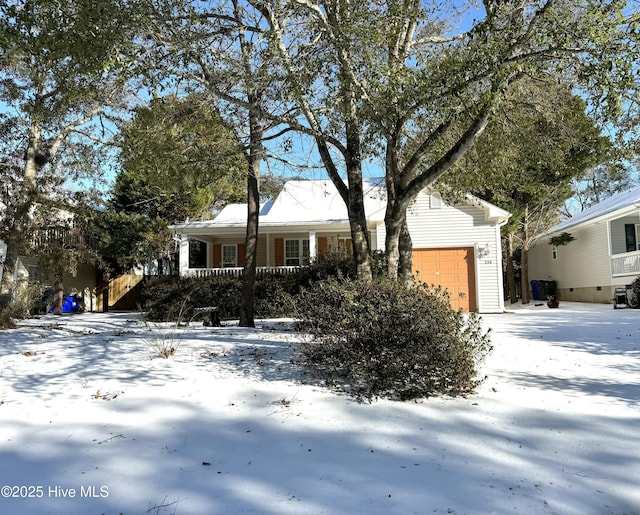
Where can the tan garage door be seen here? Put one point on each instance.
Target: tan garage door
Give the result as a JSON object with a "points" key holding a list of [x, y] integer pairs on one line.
{"points": [[452, 269]]}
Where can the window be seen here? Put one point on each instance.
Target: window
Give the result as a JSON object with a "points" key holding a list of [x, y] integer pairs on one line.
{"points": [[632, 236], [197, 254], [229, 256], [344, 246], [296, 252], [35, 274]]}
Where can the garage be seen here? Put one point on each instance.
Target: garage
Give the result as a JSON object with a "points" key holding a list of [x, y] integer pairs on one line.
{"points": [[451, 268]]}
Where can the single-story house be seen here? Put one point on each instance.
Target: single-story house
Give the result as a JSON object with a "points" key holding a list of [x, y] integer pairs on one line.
{"points": [[604, 254], [457, 247]]}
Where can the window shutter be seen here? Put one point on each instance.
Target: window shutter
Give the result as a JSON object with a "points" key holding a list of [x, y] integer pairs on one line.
{"points": [[279, 251], [217, 255], [322, 244], [241, 247], [630, 234]]}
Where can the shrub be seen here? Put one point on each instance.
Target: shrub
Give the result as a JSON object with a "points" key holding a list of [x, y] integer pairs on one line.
{"points": [[164, 341], [273, 296], [634, 298], [324, 266], [383, 339], [27, 303], [274, 293], [168, 298], [7, 313]]}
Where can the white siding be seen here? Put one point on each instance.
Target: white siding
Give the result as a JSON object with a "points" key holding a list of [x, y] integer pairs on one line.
{"points": [[460, 226], [585, 262]]}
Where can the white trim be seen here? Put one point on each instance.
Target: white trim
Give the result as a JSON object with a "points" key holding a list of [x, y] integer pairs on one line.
{"points": [[183, 254], [208, 250], [476, 277], [301, 249], [267, 253], [499, 269], [313, 245]]}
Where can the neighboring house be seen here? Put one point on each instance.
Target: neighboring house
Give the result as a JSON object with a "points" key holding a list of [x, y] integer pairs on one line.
{"points": [[98, 291], [83, 281], [457, 247], [605, 253]]}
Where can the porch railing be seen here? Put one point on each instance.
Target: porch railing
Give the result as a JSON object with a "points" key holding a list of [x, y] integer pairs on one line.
{"points": [[237, 271], [68, 237], [625, 264]]}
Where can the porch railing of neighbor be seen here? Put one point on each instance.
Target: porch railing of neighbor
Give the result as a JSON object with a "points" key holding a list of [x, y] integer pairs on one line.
{"points": [[625, 264]]}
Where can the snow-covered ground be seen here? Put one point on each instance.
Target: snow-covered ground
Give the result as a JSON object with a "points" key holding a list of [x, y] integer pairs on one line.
{"points": [[92, 422]]}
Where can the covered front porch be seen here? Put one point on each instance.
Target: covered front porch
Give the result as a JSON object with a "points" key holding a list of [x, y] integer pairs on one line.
{"points": [[203, 255]]}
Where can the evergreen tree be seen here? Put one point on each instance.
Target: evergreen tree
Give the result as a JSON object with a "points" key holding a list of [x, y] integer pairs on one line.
{"points": [[180, 161]]}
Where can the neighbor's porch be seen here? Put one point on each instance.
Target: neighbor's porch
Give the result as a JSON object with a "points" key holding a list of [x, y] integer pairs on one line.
{"points": [[627, 263], [624, 245]]}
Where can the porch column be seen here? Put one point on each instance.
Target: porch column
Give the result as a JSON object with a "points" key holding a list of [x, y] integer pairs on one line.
{"points": [[312, 245], [183, 257], [268, 258]]}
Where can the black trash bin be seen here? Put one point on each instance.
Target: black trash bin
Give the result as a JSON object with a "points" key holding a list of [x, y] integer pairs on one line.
{"points": [[548, 289]]}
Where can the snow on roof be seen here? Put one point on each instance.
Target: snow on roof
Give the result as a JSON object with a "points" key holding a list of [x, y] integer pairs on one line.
{"points": [[232, 214], [319, 201], [620, 201], [314, 202]]}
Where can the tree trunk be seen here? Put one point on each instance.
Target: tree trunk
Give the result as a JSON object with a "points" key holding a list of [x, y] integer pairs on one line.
{"points": [[524, 259], [355, 206], [105, 285], [254, 158], [405, 247], [7, 285], [510, 271], [23, 197], [392, 220], [251, 244], [398, 244], [393, 226], [399, 248], [58, 297], [524, 281], [35, 155]]}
